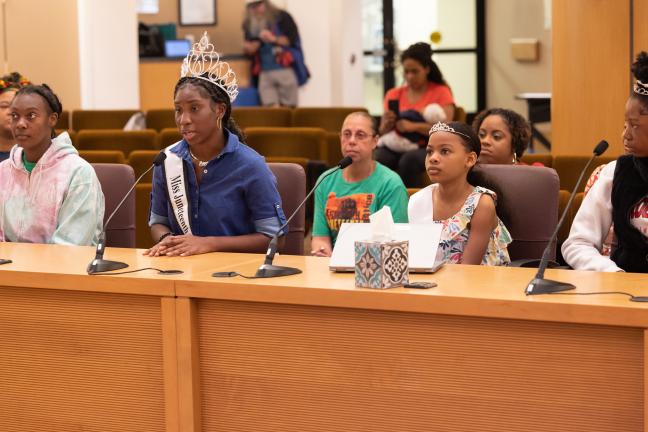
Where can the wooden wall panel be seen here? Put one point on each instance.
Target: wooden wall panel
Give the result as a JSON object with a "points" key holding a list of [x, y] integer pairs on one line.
{"points": [[590, 74], [158, 79], [640, 28], [268, 367], [44, 46], [77, 361]]}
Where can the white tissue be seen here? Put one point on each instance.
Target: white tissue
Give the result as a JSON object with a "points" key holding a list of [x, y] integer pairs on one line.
{"points": [[382, 225]]}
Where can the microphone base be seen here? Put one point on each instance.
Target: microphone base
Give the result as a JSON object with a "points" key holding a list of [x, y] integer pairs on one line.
{"points": [[102, 265], [270, 271], [546, 286]]}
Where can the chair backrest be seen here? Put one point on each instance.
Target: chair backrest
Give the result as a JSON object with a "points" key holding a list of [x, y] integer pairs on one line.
{"points": [[115, 181], [291, 183], [168, 136], [100, 119], [303, 162], [459, 114], [103, 156], [116, 139], [159, 119], [334, 148], [63, 121], [247, 117], [140, 161], [329, 118], [412, 191], [569, 168], [143, 237], [545, 159], [309, 143], [529, 199]]}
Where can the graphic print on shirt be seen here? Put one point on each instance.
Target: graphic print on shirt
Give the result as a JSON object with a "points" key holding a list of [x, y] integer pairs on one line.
{"points": [[351, 208], [639, 216]]}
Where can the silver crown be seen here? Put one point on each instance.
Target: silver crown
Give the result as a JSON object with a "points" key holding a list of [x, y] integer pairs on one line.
{"points": [[444, 127], [204, 63], [641, 88], [441, 127]]}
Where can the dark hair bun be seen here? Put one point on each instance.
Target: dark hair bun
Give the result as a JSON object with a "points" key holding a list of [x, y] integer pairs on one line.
{"points": [[421, 48], [640, 67]]}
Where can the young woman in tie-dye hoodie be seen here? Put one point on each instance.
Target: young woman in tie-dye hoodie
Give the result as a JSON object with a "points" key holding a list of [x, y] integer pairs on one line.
{"points": [[48, 194]]}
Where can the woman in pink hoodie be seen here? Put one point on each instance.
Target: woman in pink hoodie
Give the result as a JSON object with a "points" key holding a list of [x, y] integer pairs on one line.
{"points": [[48, 194]]}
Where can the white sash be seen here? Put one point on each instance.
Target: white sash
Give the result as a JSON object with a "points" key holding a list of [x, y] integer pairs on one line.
{"points": [[176, 189]]}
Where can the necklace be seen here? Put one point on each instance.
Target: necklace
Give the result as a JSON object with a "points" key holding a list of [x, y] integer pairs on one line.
{"points": [[200, 163]]}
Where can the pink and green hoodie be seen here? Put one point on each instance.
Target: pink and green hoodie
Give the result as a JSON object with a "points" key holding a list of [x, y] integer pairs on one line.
{"points": [[59, 202]]}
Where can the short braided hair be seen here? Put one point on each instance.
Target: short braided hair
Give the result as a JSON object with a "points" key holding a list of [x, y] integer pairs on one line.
{"points": [[52, 101]]}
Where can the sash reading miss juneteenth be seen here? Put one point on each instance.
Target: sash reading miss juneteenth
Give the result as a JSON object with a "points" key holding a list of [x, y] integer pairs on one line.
{"points": [[176, 189]]}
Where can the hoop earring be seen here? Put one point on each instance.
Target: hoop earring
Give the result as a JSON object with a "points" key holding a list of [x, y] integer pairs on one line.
{"points": [[515, 160], [219, 122]]}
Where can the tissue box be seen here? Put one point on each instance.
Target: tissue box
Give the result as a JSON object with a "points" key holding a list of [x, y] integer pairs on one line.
{"points": [[381, 265]]}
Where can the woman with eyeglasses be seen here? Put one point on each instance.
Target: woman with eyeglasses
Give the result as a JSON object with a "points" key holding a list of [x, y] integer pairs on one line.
{"points": [[362, 188]]}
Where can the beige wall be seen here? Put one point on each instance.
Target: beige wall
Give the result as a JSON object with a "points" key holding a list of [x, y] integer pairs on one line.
{"points": [[505, 77], [226, 35], [44, 46]]}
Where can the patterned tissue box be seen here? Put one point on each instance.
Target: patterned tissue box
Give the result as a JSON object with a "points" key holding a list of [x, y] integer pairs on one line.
{"points": [[381, 265]]}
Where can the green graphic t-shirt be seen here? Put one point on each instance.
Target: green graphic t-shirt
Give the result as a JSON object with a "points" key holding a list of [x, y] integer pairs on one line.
{"points": [[338, 201]]}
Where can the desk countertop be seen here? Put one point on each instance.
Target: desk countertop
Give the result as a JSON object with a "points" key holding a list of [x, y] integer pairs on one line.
{"points": [[462, 289]]}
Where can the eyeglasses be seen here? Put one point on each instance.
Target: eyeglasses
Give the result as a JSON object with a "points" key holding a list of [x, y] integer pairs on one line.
{"points": [[359, 136]]}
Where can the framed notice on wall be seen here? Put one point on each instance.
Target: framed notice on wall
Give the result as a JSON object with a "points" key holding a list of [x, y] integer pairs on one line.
{"points": [[197, 12]]}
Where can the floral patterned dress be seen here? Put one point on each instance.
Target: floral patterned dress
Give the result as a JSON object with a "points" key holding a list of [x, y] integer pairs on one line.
{"points": [[456, 229]]}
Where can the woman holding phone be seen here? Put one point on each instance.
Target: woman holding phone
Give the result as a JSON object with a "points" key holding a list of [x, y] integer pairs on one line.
{"points": [[410, 112]]}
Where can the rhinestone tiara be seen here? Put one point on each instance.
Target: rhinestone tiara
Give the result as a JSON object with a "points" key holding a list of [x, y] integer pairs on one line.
{"points": [[641, 88], [444, 127], [203, 62]]}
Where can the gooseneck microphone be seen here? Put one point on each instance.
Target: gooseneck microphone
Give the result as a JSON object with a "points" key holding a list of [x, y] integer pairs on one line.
{"points": [[540, 285], [267, 269], [98, 264]]}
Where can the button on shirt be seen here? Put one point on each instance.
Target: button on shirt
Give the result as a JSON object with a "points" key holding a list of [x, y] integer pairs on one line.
{"points": [[237, 194]]}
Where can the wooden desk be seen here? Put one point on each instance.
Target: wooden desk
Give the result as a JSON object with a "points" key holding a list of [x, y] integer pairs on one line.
{"points": [[310, 352], [83, 352]]}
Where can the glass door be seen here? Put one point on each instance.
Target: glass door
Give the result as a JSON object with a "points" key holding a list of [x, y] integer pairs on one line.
{"points": [[454, 28]]}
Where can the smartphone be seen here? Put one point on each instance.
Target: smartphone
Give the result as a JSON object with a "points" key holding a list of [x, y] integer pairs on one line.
{"points": [[5, 261], [421, 285], [393, 105]]}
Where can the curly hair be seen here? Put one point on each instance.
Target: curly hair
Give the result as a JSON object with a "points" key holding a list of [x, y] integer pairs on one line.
{"points": [[518, 127]]}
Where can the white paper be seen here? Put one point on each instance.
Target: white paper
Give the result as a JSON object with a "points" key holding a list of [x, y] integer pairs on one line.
{"points": [[423, 243]]}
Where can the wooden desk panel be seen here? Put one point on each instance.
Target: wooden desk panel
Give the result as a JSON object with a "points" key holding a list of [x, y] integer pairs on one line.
{"points": [[72, 360], [311, 352], [268, 367]]}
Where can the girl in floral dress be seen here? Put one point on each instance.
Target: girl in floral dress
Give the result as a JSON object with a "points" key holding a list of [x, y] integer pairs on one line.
{"points": [[472, 232]]}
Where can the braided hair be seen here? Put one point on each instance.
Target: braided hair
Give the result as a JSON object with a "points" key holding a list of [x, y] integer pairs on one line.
{"points": [[52, 102], [519, 128], [216, 95]]}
